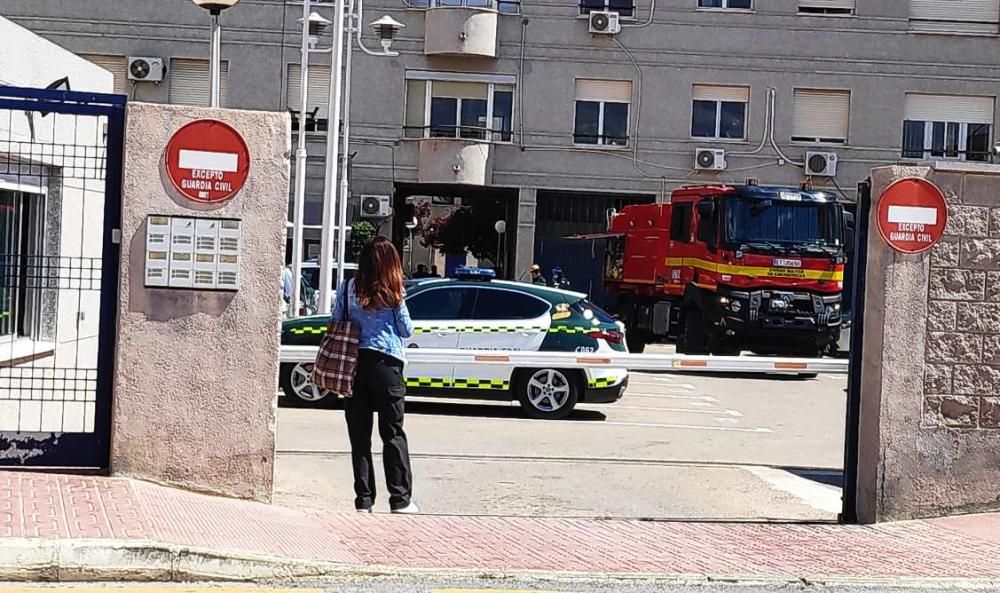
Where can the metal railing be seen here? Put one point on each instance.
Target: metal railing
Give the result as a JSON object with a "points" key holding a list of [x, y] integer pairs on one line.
{"points": [[615, 360]]}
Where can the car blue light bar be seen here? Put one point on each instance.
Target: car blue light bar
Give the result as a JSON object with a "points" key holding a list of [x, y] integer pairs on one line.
{"points": [[469, 273]]}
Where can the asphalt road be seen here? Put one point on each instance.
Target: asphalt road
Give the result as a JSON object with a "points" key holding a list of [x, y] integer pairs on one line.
{"points": [[676, 446]]}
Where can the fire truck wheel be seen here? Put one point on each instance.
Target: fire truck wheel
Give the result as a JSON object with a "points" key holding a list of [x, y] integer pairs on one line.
{"points": [[693, 339], [547, 394], [636, 341]]}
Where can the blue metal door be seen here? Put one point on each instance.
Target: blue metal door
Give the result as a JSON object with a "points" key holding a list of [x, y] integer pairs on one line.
{"points": [[60, 208]]}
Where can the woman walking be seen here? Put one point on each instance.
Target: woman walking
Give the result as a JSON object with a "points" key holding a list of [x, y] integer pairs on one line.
{"points": [[374, 301]]}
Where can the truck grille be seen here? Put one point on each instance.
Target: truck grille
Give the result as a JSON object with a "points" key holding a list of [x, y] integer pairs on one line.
{"points": [[784, 309]]}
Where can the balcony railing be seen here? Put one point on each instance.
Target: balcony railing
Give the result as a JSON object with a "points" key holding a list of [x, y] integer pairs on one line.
{"points": [[460, 132], [501, 6]]}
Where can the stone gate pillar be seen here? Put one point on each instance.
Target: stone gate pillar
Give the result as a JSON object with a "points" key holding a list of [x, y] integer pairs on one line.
{"points": [[929, 441], [200, 302]]}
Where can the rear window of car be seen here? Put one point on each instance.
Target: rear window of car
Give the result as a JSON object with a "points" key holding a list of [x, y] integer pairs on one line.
{"points": [[600, 314]]}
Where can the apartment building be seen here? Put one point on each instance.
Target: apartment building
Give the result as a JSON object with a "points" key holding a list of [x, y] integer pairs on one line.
{"points": [[562, 109]]}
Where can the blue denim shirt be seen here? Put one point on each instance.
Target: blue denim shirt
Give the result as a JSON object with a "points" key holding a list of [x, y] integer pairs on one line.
{"points": [[381, 330]]}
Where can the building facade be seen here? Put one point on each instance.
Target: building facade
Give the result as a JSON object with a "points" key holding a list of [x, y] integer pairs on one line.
{"points": [[541, 106]]}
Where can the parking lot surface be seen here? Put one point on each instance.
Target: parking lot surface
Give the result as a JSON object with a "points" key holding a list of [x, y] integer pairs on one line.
{"points": [[675, 446]]}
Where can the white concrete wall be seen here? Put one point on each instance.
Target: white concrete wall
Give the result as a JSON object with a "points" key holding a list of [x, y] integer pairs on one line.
{"points": [[63, 160]]}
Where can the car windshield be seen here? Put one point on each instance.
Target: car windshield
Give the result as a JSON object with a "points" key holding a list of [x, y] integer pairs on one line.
{"points": [[780, 224]]}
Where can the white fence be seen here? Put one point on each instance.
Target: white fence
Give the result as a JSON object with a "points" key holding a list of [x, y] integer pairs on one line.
{"points": [[634, 362]]}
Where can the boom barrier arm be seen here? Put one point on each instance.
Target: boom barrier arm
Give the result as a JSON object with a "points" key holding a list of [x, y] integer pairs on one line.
{"points": [[613, 360]]}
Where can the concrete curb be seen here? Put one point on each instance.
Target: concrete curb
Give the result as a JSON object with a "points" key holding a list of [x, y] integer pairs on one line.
{"points": [[88, 560]]}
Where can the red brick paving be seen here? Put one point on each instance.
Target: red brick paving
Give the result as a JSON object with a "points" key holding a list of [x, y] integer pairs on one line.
{"points": [[57, 506]]}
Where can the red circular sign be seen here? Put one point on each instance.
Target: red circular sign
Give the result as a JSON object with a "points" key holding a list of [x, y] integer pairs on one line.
{"points": [[207, 161], [912, 215]]}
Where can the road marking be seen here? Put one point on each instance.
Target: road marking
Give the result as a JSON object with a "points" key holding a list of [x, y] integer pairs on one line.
{"points": [[834, 377], [704, 398], [604, 408], [819, 496], [489, 591], [679, 426], [728, 420], [123, 588], [668, 386]]}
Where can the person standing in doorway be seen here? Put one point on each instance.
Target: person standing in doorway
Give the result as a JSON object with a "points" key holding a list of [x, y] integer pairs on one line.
{"points": [[374, 301], [536, 275]]}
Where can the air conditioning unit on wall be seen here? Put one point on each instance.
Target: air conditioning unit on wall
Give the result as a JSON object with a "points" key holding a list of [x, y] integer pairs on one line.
{"points": [[821, 164], [146, 69], [603, 22], [376, 206], [710, 159]]}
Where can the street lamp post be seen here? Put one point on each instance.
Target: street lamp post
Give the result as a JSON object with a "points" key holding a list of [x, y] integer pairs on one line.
{"points": [[215, 8], [410, 226], [313, 26], [386, 29]]}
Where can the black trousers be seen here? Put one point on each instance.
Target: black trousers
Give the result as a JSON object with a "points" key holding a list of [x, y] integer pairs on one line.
{"points": [[379, 388]]}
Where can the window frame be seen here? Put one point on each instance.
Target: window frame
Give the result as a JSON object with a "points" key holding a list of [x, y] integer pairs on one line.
{"points": [[718, 120], [963, 141], [584, 12], [492, 136], [601, 136], [725, 7]]}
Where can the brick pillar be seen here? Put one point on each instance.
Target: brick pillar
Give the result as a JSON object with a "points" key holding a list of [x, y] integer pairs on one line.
{"points": [[929, 442]]}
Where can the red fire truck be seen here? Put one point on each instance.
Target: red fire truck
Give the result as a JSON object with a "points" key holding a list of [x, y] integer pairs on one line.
{"points": [[729, 268]]}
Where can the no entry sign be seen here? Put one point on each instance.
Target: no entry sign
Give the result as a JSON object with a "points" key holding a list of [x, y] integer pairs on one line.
{"points": [[207, 161], [912, 215]]}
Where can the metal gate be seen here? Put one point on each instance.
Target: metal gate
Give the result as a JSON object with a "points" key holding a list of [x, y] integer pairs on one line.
{"points": [[60, 206], [849, 513]]}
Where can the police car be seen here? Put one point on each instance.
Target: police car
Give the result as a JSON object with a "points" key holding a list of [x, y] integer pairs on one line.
{"points": [[475, 311]]}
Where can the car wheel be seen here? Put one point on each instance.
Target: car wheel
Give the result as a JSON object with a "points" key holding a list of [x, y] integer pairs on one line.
{"points": [[548, 394], [296, 382]]}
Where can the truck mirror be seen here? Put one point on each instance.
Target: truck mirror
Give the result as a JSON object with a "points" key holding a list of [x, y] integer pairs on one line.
{"points": [[849, 220], [706, 208]]}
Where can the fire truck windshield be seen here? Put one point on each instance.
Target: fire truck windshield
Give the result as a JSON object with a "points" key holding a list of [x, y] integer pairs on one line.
{"points": [[782, 225]]}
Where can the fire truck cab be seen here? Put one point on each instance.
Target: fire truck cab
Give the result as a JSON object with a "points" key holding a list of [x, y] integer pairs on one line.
{"points": [[729, 268]]}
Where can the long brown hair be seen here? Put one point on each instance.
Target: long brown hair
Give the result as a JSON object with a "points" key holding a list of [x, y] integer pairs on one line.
{"points": [[379, 281]]}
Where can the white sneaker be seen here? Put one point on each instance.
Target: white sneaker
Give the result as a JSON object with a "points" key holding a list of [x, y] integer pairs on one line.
{"points": [[410, 509], [368, 510]]}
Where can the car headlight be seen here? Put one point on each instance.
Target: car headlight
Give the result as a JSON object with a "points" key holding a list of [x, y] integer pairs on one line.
{"points": [[723, 300], [736, 306], [833, 310]]}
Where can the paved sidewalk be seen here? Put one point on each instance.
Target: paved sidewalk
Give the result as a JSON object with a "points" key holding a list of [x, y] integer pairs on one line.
{"points": [[45, 507]]}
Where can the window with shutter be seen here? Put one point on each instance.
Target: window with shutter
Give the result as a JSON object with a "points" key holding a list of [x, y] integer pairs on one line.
{"points": [[318, 97], [834, 7], [952, 127], [116, 65], [602, 111], [955, 16], [719, 111], [821, 116], [190, 82]]}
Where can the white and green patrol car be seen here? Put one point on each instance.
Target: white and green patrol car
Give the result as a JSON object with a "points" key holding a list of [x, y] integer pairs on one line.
{"points": [[475, 312]]}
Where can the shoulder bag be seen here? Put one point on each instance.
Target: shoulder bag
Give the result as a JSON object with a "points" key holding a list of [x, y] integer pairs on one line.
{"points": [[338, 353]]}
